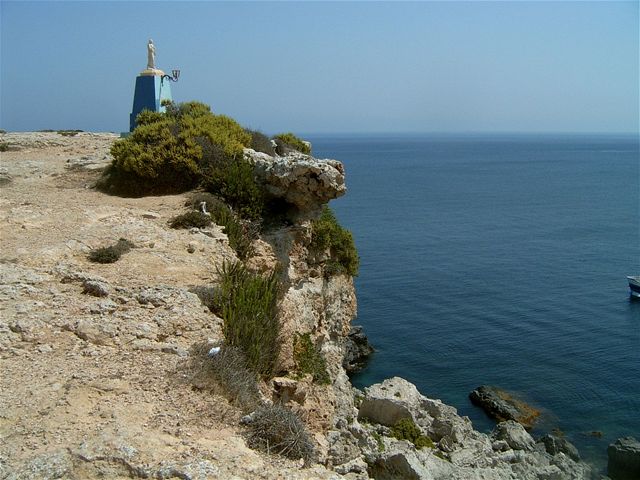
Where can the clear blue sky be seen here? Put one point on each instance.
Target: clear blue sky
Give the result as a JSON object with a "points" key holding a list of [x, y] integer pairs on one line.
{"points": [[329, 67]]}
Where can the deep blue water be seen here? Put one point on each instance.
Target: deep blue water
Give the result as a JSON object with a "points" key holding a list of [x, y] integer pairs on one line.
{"points": [[501, 260]]}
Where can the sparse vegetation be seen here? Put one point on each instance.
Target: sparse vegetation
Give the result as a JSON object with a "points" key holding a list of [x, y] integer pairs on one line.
{"points": [[190, 219], [379, 441], [112, 253], [248, 307], [276, 429], [4, 146], [327, 234], [225, 373], [406, 429], [294, 142], [309, 360], [261, 143], [241, 233]]}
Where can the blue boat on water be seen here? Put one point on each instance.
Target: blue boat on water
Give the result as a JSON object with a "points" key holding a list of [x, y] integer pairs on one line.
{"points": [[634, 286]]}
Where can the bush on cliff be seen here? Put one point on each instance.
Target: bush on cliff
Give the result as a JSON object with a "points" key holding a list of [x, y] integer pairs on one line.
{"points": [[294, 142], [164, 153], [248, 307], [327, 234], [309, 359], [192, 219]]}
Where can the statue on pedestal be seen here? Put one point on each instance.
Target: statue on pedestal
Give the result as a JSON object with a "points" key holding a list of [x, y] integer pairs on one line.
{"points": [[151, 55]]}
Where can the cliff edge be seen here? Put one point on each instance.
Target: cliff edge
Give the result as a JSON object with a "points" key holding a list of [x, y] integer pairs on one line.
{"points": [[97, 359]]}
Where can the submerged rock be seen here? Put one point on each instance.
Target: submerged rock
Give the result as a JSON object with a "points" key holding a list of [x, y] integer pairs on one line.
{"points": [[501, 405], [624, 459], [554, 445], [357, 351]]}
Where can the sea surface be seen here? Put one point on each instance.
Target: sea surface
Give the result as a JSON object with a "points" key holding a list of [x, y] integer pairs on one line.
{"points": [[501, 260]]}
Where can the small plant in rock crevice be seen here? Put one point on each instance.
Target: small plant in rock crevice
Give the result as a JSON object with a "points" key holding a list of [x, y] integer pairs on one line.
{"points": [[309, 359], [406, 429]]}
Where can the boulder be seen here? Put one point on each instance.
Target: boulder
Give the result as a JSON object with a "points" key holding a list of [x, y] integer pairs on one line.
{"points": [[357, 351], [555, 445], [514, 434], [301, 180], [624, 459], [501, 406], [390, 401], [95, 288]]}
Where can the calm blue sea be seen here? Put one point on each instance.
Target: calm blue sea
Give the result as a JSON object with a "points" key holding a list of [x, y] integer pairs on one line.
{"points": [[501, 260]]}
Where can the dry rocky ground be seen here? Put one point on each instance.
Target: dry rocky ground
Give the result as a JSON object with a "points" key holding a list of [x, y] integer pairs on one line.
{"points": [[96, 387]]}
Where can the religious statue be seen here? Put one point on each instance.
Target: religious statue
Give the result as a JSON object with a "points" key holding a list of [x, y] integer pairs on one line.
{"points": [[151, 55]]}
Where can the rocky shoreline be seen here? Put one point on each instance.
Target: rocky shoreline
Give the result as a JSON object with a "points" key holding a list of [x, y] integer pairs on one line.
{"points": [[95, 381]]}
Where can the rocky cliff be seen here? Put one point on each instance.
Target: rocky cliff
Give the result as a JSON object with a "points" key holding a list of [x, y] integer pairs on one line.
{"points": [[95, 357]]}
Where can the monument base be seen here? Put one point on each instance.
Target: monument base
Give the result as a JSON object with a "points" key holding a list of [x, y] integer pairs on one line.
{"points": [[151, 90]]}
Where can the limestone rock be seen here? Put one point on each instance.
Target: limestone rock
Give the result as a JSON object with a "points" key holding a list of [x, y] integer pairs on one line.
{"points": [[95, 288], [390, 401], [514, 434], [624, 459], [300, 179]]}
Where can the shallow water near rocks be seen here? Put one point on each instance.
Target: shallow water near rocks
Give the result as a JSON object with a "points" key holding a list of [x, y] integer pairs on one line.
{"points": [[501, 260]]}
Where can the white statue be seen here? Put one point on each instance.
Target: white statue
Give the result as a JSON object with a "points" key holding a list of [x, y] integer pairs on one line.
{"points": [[151, 55]]}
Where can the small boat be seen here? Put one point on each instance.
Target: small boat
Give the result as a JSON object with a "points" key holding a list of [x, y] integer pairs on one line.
{"points": [[634, 286]]}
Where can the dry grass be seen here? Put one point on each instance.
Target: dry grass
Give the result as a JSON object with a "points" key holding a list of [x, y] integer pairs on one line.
{"points": [[276, 429], [225, 374]]}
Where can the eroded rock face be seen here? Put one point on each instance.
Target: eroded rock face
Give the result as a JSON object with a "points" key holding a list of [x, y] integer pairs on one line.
{"points": [[624, 459], [301, 180], [358, 350]]}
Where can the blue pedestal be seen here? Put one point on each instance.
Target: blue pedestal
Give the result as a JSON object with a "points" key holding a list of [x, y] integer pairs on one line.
{"points": [[150, 91]]}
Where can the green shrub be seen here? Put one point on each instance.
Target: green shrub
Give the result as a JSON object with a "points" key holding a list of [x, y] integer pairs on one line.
{"points": [[295, 142], [190, 219], [235, 181], [276, 429], [112, 253], [4, 146], [163, 153], [225, 373], [261, 143], [406, 429], [309, 360], [249, 313], [327, 234]]}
